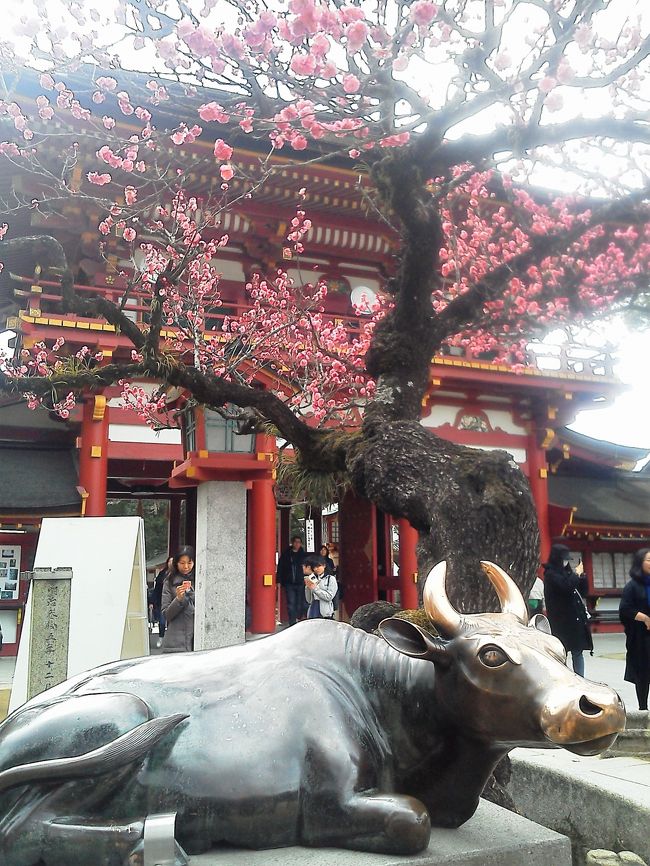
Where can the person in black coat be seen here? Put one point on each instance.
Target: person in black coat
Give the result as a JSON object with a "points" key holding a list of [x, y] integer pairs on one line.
{"points": [[159, 616], [291, 577], [634, 612], [564, 589]]}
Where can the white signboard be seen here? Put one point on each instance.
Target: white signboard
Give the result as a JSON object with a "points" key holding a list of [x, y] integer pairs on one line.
{"points": [[108, 607], [309, 536]]}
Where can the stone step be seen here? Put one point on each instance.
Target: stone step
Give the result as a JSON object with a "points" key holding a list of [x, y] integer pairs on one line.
{"points": [[599, 803], [493, 837], [635, 739]]}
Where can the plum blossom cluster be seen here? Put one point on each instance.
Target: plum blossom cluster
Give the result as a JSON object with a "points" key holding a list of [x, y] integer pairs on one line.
{"points": [[150, 406], [300, 226], [317, 361], [486, 230], [349, 77], [47, 362]]}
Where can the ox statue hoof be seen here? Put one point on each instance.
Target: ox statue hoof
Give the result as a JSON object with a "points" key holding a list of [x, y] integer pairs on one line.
{"points": [[410, 830]]}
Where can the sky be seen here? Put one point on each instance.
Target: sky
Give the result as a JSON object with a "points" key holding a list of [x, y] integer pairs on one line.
{"points": [[627, 421]]}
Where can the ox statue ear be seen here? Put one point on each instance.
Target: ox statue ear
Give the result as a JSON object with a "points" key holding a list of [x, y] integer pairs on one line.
{"points": [[540, 622], [411, 640]]}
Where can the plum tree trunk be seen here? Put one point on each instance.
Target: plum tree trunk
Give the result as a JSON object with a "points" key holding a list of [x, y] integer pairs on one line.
{"points": [[467, 505]]}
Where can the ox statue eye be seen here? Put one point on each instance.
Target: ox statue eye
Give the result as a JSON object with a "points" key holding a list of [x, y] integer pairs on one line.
{"points": [[492, 657]]}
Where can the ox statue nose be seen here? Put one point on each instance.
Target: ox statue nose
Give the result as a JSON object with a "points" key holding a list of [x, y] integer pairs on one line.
{"points": [[584, 718]]}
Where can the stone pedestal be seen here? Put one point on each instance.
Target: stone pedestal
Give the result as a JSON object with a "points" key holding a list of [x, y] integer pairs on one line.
{"points": [[493, 837], [220, 564], [50, 629]]}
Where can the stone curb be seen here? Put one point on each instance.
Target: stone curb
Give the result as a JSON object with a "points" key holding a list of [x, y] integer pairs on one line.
{"points": [[596, 802]]}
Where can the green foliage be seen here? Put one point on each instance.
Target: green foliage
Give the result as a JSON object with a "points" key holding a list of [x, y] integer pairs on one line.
{"points": [[306, 484], [156, 520]]}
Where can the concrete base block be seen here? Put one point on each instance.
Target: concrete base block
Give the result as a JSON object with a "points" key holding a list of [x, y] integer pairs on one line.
{"points": [[635, 739], [599, 803], [493, 837]]}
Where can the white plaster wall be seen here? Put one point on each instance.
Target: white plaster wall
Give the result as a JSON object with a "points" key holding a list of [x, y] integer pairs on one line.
{"points": [[502, 419], [143, 433], [230, 269], [499, 419], [439, 415]]}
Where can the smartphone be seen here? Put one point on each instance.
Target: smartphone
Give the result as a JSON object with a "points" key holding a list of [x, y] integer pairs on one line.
{"points": [[187, 584]]}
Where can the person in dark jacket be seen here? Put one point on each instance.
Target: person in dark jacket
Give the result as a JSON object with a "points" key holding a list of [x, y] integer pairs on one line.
{"points": [[634, 612], [564, 589], [158, 615], [178, 603], [291, 578]]}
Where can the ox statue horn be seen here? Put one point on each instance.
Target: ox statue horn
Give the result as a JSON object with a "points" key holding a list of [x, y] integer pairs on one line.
{"points": [[438, 608], [511, 599], [446, 618]]}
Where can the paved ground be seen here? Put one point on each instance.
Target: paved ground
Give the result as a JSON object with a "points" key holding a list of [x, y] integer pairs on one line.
{"points": [[607, 665]]}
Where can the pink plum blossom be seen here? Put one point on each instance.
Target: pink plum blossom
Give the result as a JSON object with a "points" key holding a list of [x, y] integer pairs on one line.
{"points": [[351, 83], [222, 151], [98, 179]]}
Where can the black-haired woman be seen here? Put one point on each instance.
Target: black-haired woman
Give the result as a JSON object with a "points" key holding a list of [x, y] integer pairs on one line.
{"points": [[324, 551], [177, 603], [634, 612], [320, 588], [564, 589]]}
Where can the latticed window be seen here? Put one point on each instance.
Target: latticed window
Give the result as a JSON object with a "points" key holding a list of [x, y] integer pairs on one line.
{"points": [[611, 570], [190, 430], [221, 435]]}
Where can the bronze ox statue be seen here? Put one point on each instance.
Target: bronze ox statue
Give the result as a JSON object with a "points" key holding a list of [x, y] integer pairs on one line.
{"points": [[322, 735]]}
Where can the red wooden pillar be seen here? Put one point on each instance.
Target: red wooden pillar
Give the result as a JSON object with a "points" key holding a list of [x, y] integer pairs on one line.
{"points": [[174, 525], [283, 543], [262, 589], [93, 454], [408, 565], [538, 480]]}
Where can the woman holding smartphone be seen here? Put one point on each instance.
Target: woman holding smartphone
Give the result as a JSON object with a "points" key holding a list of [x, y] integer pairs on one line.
{"points": [[320, 588], [177, 603]]}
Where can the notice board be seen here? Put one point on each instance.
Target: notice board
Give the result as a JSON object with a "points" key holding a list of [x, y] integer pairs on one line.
{"points": [[108, 607]]}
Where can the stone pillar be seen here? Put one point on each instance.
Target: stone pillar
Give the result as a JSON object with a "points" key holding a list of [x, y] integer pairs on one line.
{"points": [[220, 564], [408, 565], [93, 454], [50, 629], [262, 591]]}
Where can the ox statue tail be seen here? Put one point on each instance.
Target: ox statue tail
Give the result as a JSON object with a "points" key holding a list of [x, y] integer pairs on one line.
{"points": [[126, 749]]}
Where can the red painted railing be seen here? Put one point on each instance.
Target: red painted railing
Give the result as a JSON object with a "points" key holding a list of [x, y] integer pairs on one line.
{"points": [[555, 360]]}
